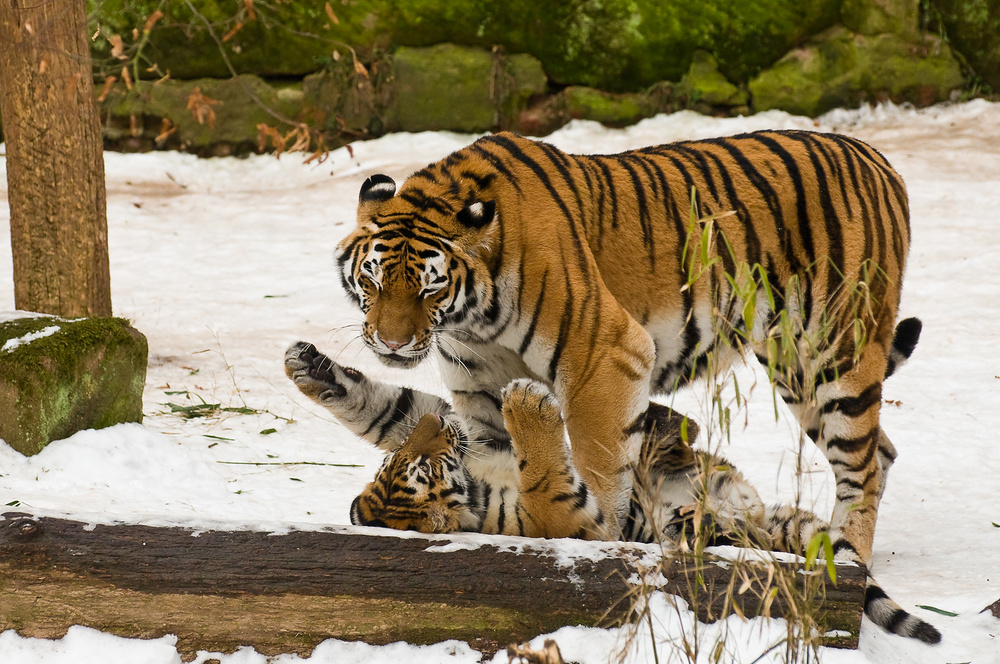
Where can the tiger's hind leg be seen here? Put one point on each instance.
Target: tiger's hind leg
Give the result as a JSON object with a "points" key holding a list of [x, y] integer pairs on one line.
{"points": [[886, 456], [554, 501], [380, 413], [842, 417], [843, 420]]}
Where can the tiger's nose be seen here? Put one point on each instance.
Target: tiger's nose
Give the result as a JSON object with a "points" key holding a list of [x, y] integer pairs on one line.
{"points": [[393, 345]]}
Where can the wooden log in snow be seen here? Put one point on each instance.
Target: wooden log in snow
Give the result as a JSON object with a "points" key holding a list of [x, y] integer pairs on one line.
{"points": [[217, 590]]}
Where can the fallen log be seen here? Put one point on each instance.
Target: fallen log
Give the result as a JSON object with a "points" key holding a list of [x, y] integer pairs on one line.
{"points": [[217, 590]]}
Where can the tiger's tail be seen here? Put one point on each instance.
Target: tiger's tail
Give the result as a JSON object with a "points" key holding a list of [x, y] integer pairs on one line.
{"points": [[903, 342], [879, 607], [791, 528], [890, 616]]}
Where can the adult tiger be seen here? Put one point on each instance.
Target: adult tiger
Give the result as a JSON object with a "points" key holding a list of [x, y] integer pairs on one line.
{"points": [[525, 261]]}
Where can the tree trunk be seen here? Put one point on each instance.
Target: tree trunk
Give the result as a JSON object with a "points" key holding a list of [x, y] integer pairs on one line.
{"points": [[55, 159]]}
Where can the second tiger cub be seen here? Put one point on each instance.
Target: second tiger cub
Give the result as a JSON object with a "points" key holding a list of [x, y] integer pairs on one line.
{"points": [[442, 481]]}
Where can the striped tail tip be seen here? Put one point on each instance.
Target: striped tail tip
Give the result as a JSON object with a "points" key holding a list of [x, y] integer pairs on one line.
{"points": [[891, 617]]}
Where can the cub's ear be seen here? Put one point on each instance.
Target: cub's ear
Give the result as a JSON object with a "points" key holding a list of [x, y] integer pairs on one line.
{"points": [[478, 214], [377, 188]]}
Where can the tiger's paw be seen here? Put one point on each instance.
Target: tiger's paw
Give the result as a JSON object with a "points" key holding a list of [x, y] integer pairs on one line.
{"points": [[532, 416], [317, 376]]}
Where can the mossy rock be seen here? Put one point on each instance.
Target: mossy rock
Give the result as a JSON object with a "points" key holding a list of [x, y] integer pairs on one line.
{"points": [[522, 79], [704, 83], [613, 110], [843, 69], [60, 376], [615, 45], [443, 87], [973, 29], [280, 39], [202, 113], [873, 17], [348, 100]]}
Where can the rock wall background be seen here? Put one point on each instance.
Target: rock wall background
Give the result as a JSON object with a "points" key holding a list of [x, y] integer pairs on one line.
{"points": [[225, 76]]}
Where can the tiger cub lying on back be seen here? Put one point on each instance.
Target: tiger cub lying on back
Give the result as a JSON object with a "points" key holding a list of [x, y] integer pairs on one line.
{"points": [[441, 481]]}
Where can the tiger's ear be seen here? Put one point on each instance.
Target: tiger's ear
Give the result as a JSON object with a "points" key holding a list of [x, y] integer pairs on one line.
{"points": [[478, 214], [377, 188]]}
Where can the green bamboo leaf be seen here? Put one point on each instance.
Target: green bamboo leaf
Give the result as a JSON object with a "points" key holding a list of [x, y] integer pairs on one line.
{"points": [[831, 568], [812, 549], [821, 539], [937, 610]]}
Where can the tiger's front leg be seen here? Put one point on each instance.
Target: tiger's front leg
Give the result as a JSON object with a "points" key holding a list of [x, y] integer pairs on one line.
{"points": [[603, 385], [553, 499], [380, 413]]}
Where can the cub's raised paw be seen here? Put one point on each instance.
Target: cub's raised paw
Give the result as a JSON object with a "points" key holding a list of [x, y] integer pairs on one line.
{"points": [[316, 375], [526, 399], [298, 358], [532, 416]]}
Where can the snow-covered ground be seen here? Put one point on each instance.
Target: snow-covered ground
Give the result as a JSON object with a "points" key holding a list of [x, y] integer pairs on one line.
{"points": [[222, 263]]}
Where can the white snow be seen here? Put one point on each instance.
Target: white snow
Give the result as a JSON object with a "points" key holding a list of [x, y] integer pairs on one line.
{"points": [[11, 344], [222, 263]]}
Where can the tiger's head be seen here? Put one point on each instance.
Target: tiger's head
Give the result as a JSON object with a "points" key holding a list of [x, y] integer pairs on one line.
{"points": [[418, 262], [422, 486]]}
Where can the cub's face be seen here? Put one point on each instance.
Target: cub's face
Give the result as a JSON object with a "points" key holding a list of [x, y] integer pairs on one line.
{"points": [[415, 266], [423, 485]]}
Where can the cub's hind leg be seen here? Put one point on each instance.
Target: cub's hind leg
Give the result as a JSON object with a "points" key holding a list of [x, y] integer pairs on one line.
{"points": [[380, 413], [553, 500], [790, 528]]}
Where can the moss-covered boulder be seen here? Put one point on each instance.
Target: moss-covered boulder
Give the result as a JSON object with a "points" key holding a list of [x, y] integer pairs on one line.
{"points": [[276, 39], [615, 45], [207, 116], [973, 28], [704, 84], [460, 88], [443, 87], [842, 69], [348, 100], [522, 78], [873, 17], [60, 376], [613, 110]]}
